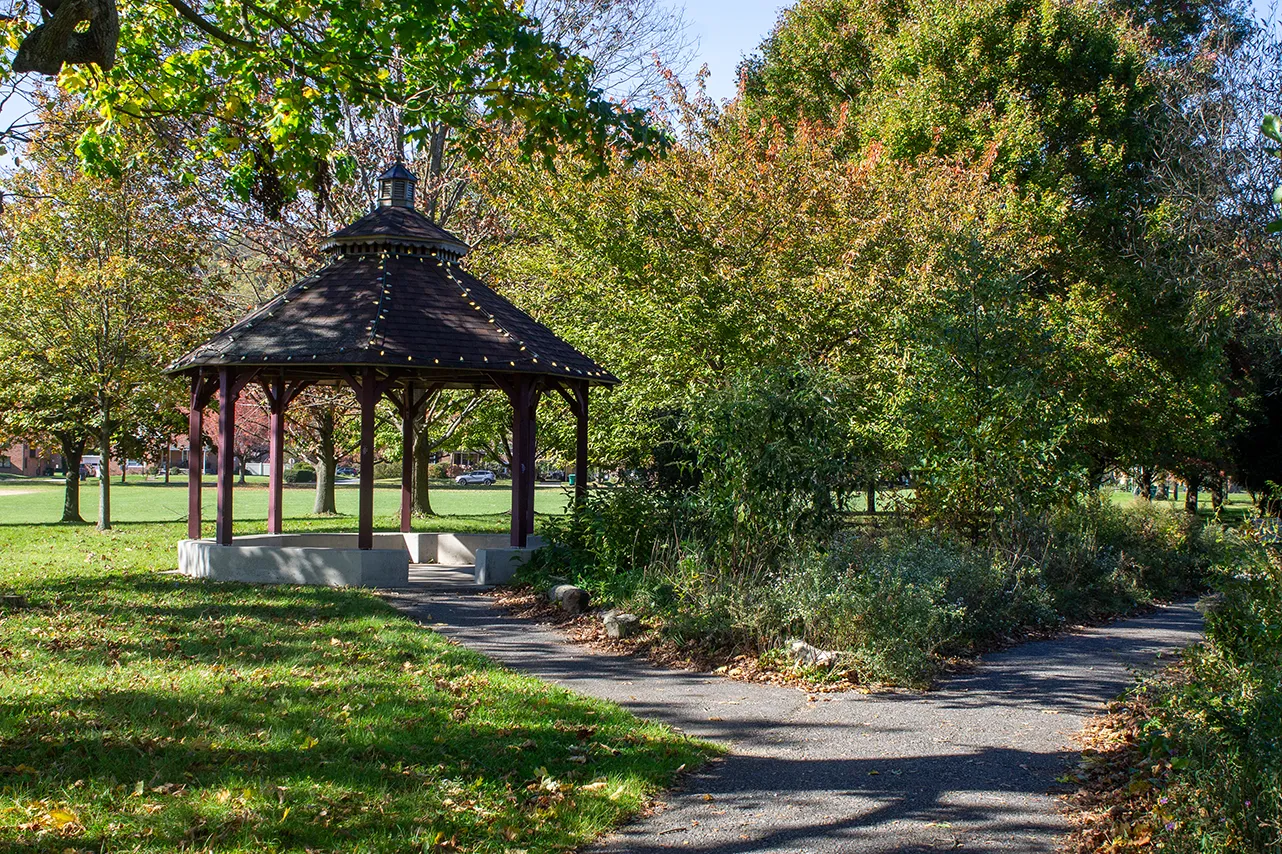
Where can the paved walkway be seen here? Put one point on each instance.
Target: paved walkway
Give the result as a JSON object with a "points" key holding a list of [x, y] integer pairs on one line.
{"points": [[968, 766]]}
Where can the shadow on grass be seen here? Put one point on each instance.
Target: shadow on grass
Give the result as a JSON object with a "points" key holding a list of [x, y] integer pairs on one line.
{"points": [[185, 715]]}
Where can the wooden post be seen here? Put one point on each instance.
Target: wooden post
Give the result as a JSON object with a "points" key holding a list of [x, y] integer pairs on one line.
{"points": [[407, 459], [581, 449], [276, 401], [368, 394], [531, 456], [519, 396], [227, 393], [195, 454]]}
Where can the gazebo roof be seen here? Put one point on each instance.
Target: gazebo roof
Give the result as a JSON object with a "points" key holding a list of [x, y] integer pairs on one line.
{"points": [[394, 295], [395, 226]]}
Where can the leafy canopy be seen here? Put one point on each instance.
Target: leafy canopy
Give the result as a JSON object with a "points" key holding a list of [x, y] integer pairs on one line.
{"points": [[267, 89]]}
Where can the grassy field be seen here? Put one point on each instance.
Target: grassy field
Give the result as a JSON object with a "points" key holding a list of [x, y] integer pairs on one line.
{"points": [[462, 508], [154, 713], [1237, 505]]}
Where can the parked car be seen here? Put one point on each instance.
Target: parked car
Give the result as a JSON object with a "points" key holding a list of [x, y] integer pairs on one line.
{"points": [[345, 471], [555, 476], [482, 476]]}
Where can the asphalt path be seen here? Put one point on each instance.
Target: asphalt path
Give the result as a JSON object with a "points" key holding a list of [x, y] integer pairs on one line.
{"points": [[970, 766]]}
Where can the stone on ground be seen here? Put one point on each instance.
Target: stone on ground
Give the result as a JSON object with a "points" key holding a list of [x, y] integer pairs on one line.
{"points": [[804, 654], [619, 625], [570, 599]]}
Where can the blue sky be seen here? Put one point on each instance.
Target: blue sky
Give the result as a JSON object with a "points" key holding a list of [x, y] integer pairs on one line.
{"points": [[727, 31]]}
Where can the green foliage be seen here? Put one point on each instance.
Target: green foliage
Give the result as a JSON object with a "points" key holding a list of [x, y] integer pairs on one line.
{"points": [[1209, 763], [773, 455], [1054, 91], [267, 93], [300, 473], [895, 602], [101, 286], [1271, 127], [387, 471], [140, 712]]}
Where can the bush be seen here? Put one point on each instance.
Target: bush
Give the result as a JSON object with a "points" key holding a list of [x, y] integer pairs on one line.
{"points": [[438, 471], [386, 471], [1213, 728], [896, 602], [300, 473]]}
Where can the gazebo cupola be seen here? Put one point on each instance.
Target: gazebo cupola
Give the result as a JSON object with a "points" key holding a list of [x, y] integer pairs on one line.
{"points": [[396, 187], [394, 314]]}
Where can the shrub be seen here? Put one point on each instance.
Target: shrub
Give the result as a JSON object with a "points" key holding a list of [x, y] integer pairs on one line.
{"points": [[386, 471], [439, 471], [1205, 773], [300, 473], [896, 602]]}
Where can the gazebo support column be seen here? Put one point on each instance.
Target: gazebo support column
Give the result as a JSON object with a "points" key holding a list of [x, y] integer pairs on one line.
{"points": [[200, 392], [227, 394], [576, 396], [279, 394], [581, 443], [524, 396], [407, 466], [367, 392], [275, 455], [410, 407]]}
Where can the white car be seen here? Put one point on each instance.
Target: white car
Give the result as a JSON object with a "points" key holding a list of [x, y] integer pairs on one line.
{"points": [[479, 476]]}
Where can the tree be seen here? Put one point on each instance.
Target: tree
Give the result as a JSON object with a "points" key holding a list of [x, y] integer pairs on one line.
{"points": [[265, 91], [101, 285], [440, 422], [35, 406], [321, 421]]}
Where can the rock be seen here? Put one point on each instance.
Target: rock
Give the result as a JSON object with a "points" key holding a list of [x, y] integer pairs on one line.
{"points": [[1210, 603], [571, 599], [805, 654], [621, 625]]}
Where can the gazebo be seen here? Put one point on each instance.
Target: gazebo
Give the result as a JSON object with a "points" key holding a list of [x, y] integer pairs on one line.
{"points": [[391, 314]]}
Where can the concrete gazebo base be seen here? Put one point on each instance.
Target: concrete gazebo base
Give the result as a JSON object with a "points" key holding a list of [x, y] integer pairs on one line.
{"points": [[334, 560]]}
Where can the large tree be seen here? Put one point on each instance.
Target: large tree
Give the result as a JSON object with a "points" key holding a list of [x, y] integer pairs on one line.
{"points": [[102, 285]]}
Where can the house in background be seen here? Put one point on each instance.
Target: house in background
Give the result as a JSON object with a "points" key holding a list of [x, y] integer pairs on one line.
{"points": [[21, 459]]}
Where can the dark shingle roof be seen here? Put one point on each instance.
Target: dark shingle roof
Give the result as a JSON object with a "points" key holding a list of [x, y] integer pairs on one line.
{"points": [[395, 307], [395, 225]]}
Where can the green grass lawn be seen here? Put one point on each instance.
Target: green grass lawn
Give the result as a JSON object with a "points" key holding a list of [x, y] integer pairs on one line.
{"points": [[461, 508], [154, 713], [1237, 505]]}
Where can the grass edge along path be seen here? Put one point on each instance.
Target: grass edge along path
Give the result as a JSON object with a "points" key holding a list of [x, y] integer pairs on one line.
{"points": [[153, 713]]}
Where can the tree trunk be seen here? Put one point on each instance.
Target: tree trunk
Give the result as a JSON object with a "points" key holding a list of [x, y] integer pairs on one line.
{"points": [[240, 465], [1095, 475], [104, 465], [124, 469], [1146, 483], [421, 505], [1217, 495], [72, 452], [326, 463], [1190, 495], [164, 456], [872, 498]]}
